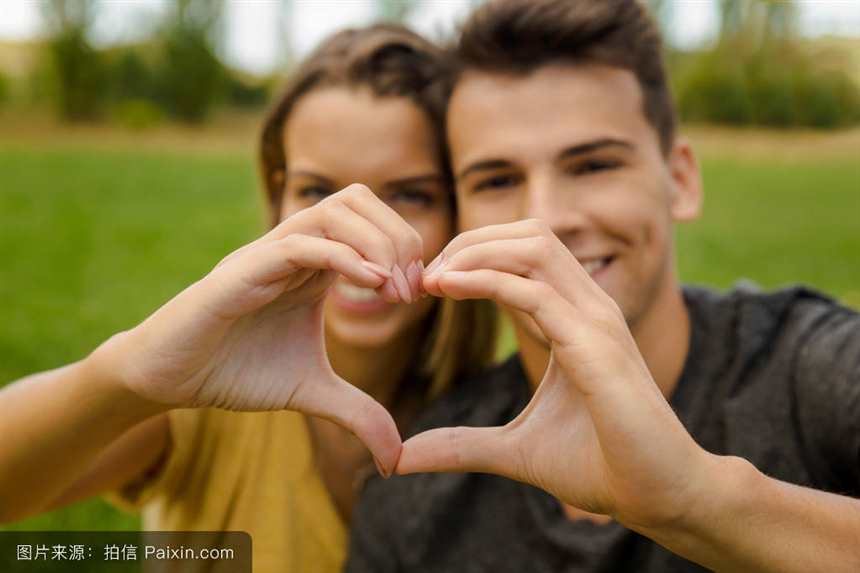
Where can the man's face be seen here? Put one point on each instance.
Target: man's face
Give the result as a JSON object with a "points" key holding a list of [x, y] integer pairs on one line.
{"points": [[570, 144]]}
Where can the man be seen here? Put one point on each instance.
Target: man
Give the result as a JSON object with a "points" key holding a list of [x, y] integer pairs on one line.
{"points": [[669, 428]]}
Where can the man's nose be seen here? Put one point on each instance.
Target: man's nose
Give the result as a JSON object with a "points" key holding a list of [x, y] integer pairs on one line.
{"points": [[547, 199]]}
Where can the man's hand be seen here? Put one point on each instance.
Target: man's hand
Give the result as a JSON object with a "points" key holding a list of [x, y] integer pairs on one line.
{"points": [[598, 434]]}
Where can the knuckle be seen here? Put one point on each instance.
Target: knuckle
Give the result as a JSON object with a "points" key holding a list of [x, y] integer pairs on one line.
{"points": [[455, 444], [544, 294], [606, 318], [338, 252], [327, 211], [538, 227], [466, 237], [414, 241], [385, 245], [344, 250], [287, 245], [357, 191], [538, 245], [606, 308]]}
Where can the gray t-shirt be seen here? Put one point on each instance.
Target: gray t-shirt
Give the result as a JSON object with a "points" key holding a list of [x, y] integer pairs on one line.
{"points": [[771, 377]]}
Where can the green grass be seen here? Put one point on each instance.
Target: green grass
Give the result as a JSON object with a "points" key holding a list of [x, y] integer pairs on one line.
{"points": [[93, 241], [777, 223]]}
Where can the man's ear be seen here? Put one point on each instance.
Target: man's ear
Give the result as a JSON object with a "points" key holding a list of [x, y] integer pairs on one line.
{"points": [[686, 182]]}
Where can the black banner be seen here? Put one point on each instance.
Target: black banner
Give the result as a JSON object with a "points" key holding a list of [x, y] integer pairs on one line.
{"points": [[125, 552]]}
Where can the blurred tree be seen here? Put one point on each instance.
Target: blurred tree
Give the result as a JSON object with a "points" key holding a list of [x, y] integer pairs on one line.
{"points": [[663, 12], [192, 75], [4, 89], [285, 39], [760, 72], [244, 91], [394, 10], [757, 22], [731, 18], [132, 77], [77, 70], [780, 20]]}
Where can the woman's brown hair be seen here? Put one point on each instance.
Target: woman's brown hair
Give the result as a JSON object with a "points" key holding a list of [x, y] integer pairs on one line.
{"points": [[392, 61]]}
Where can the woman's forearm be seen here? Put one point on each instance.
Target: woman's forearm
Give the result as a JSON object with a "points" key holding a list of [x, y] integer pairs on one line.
{"points": [[212, 345], [54, 425]]}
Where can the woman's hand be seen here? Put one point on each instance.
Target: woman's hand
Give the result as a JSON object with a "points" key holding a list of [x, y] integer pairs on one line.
{"points": [[249, 335], [598, 434]]}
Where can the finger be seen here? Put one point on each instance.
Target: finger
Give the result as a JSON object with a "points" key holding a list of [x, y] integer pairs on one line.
{"points": [[539, 256], [275, 261], [515, 230], [238, 252], [553, 314], [460, 449], [388, 292], [407, 241], [570, 330], [346, 405], [521, 256], [334, 220], [259, 275], [341, 223]]}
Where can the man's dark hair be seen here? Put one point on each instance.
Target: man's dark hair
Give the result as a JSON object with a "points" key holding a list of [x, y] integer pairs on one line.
{"points": [[519, 36]]}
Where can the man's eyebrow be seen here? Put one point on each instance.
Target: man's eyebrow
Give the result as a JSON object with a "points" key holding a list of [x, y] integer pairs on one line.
{"points": [[589, 146], [486, 165], [573, 151]]}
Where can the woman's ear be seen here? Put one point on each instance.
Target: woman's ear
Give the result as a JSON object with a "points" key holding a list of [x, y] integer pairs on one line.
{"points": [[686, 182]]}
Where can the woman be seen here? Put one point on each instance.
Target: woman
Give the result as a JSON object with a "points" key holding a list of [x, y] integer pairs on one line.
{"points": [[167, 416]]}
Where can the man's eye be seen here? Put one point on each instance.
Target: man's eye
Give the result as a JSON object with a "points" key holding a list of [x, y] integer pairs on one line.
{"points": [[595, 166], [497, 182]]}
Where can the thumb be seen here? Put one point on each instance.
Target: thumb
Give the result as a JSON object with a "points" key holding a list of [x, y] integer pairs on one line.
{"points": [[350, 407], [460, 449]]}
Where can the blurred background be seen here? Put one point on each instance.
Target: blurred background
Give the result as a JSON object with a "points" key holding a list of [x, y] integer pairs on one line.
{"points": [[128, 131]]}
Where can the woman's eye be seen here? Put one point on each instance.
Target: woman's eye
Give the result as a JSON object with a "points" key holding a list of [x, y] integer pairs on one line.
{"points": [[497, 182], [595, 166], [313, 193], [412, 197]]}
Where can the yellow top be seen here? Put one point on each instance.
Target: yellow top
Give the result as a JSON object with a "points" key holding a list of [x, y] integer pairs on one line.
{"points": [[249, 472]]}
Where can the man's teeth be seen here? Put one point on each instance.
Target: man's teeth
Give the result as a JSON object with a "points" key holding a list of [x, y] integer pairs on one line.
{"points": [[355, 293], [595, 265]]}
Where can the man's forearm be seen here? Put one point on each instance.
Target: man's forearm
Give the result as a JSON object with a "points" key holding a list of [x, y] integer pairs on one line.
{"points": [[751, 522], [54, 424]]}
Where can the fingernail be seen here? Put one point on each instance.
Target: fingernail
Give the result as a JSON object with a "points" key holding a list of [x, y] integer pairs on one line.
{"points": [[378, 269], [439, 268], [434, 263], [401, 284], [380, 469], [413, 275], [390, 292]]}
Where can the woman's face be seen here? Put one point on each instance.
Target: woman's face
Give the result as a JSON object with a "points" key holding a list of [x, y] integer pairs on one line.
{"points": [[338, 136]]}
